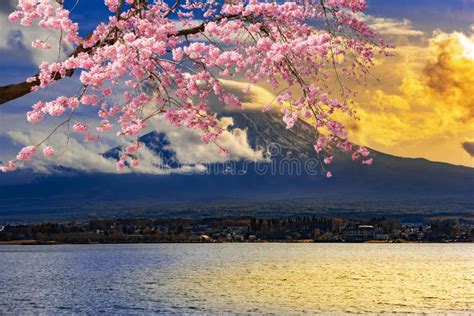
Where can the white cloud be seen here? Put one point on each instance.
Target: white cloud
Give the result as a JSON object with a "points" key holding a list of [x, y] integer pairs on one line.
{"points": [[24, 36], [190, 149], [77, 155], [191, 153], [389, 26], [87, 157], [187, 143]]}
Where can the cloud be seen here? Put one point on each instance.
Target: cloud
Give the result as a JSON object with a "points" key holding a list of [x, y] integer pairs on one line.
{"points": [[87, 157], [256, 98], [450, 75], [187, 143], [190, 149], [191, 153], [17, 38], [431, 109], [389, 26], [76, 155]]}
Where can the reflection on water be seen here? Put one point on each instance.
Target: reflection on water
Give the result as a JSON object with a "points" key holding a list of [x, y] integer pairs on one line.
{"points": [[215, 278]]}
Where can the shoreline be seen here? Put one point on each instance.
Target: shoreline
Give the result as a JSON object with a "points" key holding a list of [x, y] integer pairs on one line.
{"points": [[51, 242], [299, 229]]}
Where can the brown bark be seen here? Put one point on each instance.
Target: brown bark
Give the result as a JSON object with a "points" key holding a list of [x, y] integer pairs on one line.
{"points": [[16, 90]]}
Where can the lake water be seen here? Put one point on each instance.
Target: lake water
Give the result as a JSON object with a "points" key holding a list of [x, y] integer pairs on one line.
{"points": [[237, 278]]}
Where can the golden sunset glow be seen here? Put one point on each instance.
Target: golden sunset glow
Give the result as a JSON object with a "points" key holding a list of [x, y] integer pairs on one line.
{"points": [[421, 105], [307, 279]]}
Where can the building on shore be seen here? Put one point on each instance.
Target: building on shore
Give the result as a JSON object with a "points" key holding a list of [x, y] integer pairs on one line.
{"points": [[361, 233]]}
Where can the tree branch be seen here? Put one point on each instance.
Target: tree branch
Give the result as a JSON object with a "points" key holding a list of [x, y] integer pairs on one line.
{"points": [[119, 10], [176, 4], [14, 91]]}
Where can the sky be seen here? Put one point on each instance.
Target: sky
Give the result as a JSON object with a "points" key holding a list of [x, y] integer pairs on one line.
{"points": [[423, 105], [419, 103]]}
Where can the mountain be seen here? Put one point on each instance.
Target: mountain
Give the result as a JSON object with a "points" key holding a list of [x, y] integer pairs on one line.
{"points": [[286, 183]]}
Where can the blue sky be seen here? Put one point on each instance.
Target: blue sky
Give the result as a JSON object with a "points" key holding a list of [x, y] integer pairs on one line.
{"points": [[426, 15], [447, 15]]}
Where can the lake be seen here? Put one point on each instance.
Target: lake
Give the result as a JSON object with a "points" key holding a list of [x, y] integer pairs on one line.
{"points": [[237, 278]]}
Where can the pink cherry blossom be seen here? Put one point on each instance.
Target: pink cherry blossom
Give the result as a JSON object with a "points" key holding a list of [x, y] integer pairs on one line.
{"points": [[133, 147], [104, 126], [231, 100], [120, 164], [91, 138], [54, 108], [26, 153], [80, 127], [328, 160], [15, 16], [266, 108], [34, 116], [171, 59], [363, 151], [368, 161], [11, 166], [107, 91], [290, 118], [48, 151], [41, 44]]}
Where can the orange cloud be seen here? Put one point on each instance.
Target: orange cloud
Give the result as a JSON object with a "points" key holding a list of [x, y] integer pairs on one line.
{"points": [[425, 104], [422, 103]]}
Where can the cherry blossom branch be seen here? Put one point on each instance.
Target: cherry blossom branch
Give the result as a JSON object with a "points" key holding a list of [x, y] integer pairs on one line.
{"points": [[17, 90], [263, 41]]}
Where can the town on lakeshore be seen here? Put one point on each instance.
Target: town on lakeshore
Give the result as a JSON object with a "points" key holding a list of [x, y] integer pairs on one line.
{"points": [[242, 229]]}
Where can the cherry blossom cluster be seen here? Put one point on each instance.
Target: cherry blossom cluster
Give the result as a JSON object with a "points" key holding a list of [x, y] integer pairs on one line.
{"points": [[170, 57], [47, 15]]}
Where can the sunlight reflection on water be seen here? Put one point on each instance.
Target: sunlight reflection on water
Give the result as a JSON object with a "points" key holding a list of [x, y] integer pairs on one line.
{"points": [[242, 278]]}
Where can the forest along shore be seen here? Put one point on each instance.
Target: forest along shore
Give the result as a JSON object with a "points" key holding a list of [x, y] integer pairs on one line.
{"points": [[245, 229]]}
